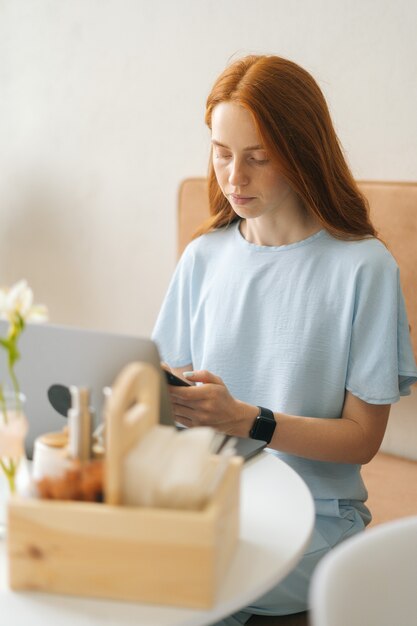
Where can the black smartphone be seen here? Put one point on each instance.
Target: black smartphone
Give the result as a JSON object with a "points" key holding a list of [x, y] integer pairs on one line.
{"points": [[175, 380]]}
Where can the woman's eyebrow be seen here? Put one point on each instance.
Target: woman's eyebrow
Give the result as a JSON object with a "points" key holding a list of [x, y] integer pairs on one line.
{"points": [[221, 145]]}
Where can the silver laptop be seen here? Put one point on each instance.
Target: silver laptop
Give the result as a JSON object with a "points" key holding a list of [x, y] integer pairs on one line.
{"points": [[63, 356]]}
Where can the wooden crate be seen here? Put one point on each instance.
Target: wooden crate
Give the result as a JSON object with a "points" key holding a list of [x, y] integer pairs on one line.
{"points": [[161, 556]]}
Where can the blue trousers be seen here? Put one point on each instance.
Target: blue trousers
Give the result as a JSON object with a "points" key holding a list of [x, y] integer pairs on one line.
{"points": [[336, 520]]}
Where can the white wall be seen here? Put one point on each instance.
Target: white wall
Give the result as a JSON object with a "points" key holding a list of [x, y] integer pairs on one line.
{"points": [[101, 117]]}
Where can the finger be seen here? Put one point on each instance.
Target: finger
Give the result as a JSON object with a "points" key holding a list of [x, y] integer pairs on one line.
{"points": [[188, 395], [183, 412], [178, 419], [203, 376], [183, 421]]}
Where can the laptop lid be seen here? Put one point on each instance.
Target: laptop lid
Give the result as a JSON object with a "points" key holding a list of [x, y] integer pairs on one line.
{"points": [[63, 355]]}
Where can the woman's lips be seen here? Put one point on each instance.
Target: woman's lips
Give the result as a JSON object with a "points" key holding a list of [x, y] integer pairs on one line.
{"points": [[241, 199]]}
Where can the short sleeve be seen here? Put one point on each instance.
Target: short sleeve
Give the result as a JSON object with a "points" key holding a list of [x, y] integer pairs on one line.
{"points": [[172, 333], [381, 364]]}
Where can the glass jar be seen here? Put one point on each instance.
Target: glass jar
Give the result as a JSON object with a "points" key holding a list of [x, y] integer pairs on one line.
{"points": [[13, 429]]}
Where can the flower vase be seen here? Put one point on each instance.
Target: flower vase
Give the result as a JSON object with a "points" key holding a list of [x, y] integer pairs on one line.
{"points": [[13, 429]]}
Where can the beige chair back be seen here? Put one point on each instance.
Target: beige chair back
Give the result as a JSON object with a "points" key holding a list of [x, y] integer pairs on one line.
{"points": [[393, 211]]}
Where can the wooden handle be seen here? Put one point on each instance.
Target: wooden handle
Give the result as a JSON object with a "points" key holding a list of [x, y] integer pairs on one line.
{"points": [[131, 410]]}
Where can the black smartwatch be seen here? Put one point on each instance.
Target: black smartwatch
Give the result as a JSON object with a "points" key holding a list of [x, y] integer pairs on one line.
{"points": [[264, 425]]}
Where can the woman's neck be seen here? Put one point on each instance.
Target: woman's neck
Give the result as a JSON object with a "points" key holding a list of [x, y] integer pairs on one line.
{"points": [[277, 231]]}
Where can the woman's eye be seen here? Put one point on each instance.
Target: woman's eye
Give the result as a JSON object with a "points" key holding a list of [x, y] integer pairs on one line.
{"points": [[259, 158], [222, 155], [259, 161]]}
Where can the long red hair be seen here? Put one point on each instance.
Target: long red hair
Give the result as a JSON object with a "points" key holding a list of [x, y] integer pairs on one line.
{"points": [[294, 122]]}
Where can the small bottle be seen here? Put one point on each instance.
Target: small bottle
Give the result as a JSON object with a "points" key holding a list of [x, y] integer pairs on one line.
{"points": [[80, 422]]}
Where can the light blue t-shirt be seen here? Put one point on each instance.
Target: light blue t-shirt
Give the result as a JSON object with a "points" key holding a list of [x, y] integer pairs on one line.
{"points": [[290, 328]]}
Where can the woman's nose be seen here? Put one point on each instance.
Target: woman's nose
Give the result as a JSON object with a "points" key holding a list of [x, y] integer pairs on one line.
{"points": [[238, 176]]}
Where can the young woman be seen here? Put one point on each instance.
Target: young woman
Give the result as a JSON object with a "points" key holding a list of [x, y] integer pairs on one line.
{"points": [[287, 307]]}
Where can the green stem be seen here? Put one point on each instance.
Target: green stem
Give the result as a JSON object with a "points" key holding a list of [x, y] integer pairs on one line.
{"points": [[16, 387], [10, 473], [12, 483], [3, 406]]}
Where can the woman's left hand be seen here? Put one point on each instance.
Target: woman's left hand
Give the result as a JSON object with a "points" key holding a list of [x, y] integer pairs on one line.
{"points": [[211, 404]]}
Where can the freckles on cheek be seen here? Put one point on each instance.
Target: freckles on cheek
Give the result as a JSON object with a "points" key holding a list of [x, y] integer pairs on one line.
{"points": [[277, 183]]}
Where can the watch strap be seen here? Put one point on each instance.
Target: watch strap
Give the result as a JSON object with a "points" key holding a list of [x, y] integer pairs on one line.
{"points": [[264, 425]]}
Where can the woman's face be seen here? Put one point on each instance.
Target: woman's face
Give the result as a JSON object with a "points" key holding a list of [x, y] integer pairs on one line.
{"points": [[253, 184]]}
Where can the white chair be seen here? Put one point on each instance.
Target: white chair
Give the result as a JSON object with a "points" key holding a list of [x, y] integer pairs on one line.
{"points": [[369, 580]]}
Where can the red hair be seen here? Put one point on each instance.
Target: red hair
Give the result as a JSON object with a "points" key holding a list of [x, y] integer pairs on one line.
{"points": [[293, 120]]}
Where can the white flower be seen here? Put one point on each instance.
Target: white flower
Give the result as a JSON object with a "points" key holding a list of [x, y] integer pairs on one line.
{"points": [[3, 299], [18, 300]]}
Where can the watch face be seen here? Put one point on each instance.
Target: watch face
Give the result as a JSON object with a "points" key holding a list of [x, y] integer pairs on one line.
{"points": [[263, 428]]}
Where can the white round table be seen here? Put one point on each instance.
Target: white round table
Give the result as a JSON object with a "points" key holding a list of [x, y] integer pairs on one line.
{"points": [[277, 518]]}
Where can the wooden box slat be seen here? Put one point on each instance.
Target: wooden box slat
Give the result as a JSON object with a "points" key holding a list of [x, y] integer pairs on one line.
{"points": [[127, 553]]}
